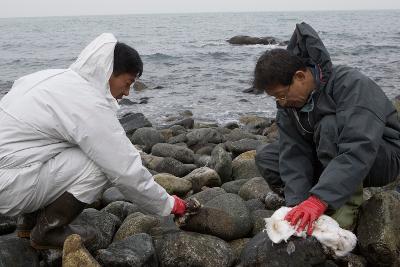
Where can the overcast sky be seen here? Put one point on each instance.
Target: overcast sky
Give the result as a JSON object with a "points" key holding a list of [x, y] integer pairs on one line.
{"points": [[33, 8]]}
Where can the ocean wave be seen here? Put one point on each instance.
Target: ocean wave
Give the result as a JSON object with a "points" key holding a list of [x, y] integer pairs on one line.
{"points": [[159, 56]]}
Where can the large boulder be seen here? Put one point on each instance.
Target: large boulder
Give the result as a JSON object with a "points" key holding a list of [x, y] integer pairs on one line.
{"points": [[174, 167], [256, 187], [378, 229], [15, 251], [249, 40], [244, 166], [147, 137], [7, 224], [136, 250], [203, 176], [121, 209], [173, 185], [75, 253], [225, 216], [183, 154], [134, 224], [176, 249], [261, 251], [221, 162], [203, 136], [133, 121]]}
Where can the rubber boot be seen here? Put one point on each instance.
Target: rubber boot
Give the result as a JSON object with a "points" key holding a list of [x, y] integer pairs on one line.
{"points": [[25, 224], [52, 227]]}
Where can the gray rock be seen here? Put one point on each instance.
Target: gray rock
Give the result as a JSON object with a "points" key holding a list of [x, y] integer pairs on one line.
{"points": [[205, 124], [206, 195], [273, 201], [174, 167], [202, 147], [15, 251], [137, 250], [121, 209], [181, 138], [183, 154], [139, 86], [225, 216], [147, 137], [231, 125], [255, 124], [261, 251], [238, 134], [378, 229], [243, 145], [187, 123], [234, 186], [112, 194], [248, 40], [256, 187], [134, 224], [7, 224], [166, 133], [254, 204], [205, 150], [150, 161], [51, 257], [257, 218], [244, 166], [173, 185], [202, 160], [203, 136], [221, 162], [203, 176], [178, 249], [237, 247], [177, 130], [133, 121]]}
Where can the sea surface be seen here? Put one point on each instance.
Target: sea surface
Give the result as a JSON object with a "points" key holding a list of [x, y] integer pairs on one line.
{"points": [[188, 56]]}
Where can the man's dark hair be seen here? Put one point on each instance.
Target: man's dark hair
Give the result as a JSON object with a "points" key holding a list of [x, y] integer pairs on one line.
{"points": [[127, 60], [276, 67]]}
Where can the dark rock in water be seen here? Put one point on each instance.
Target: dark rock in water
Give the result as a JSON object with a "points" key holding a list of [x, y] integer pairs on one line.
{"points": [[139, 86], [253, 90], [257, 218], [121, 209], [206, 195], [51, 257], [159, 87], [241, 146], [254, 204], [225, 216], [133, 121], [184, 155], [126, 102], [178, 249], [231, 125], [137, 250], [112, 194], [105, 225], [174, 167], [244, 166], [248, 40], [221, 162], [238, 134], [15, 251], [181, 138], [147, 137], [203, 176], [7, 224], [237, 247], [255, 124], [378, 229], [254, 188], [273, 201], [203, 136], [134, 224], [234, 186], [261, 251], [172, 184]]}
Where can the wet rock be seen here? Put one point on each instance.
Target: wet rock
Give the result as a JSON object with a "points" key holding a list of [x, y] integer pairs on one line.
{"points": [[255, 124], [202, 160], [75, 254], [105, 225], [136, 250], [203, 136], [234, 186], [237, 247], [273, 201], [206, 195], [241, 146], [147, 137], [261, 251], [225, 216], [134, 224], [238, 134], [244, 166], [248, 40], [15, 251], [50, 257], [112, 194], [173, 185], [133, 121], [139, 86], [378, 229], [7, 224], [121, 209], [183, 154], [174, 167], [203, 176], [257, 218], [181, 138], [221, 162], [254, 204], [192, 249], [256, 187]]}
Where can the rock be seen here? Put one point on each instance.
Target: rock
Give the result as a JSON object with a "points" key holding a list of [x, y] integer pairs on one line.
{"points": [[257, 218], [261, 251], [105, 225], [272, 133], [254, 204], [7, 224], [183, 154], [15, 251], [75, 254], [243, 145], [248, 40], [181, 138], [378, 229], [203, 136], [238, 134], [202, 160], [206, 195], [134, 224], [147, 137], [126, 102], [187, 123], [352, 260], [221, 162], [139, 86], [205, 124], [237, 247], [166, 134], [256, 187], [234, 186], [121, 209], [192, 249], [273, 201], [112, 194], [244, 166], [50, 257], [149, 161], [253, 90], [173, 185], [396, 103], [205, 150], [225, 216], [231, 125], [136, 250], [174, 167], [203, 176], [255, 124], [133, 121], [177, 130]]}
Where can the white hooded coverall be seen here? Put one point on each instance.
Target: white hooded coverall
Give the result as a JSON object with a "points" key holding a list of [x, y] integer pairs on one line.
{"points": [[59, 132]]}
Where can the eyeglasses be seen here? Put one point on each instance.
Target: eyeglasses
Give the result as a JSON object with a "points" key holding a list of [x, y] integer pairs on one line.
{"points": [[284, 97]]}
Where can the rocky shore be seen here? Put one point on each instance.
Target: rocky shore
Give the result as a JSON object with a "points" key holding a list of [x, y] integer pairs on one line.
{"points": [[214, 164]]}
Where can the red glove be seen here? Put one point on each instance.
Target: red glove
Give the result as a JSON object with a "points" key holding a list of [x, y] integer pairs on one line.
{"points": [[307, 212], [179, 206]]}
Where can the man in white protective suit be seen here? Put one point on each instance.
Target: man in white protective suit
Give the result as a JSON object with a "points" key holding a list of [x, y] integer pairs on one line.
{"points": [[61, 145]]}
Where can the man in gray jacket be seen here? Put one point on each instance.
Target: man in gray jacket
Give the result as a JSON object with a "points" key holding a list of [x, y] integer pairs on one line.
{"points": [[338, 132]]}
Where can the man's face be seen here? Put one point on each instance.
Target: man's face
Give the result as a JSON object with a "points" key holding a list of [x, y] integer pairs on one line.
{"points": [[120, 85], [294, 95]]}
